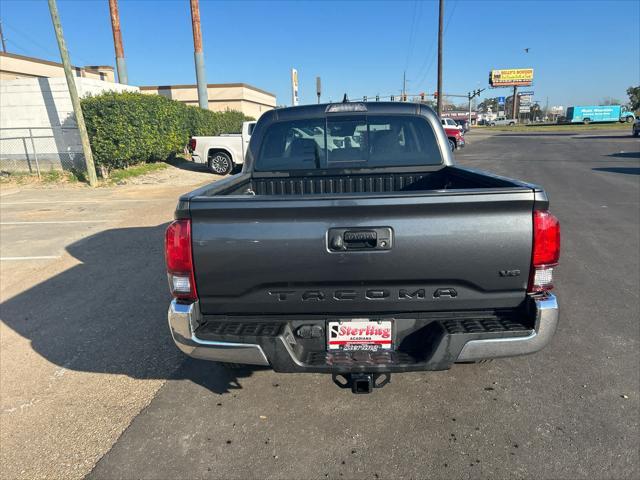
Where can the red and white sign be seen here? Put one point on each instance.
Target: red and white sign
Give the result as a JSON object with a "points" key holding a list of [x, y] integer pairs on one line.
{"points": [[360, 335]]}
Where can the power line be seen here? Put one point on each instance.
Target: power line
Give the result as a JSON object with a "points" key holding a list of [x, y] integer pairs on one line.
{"points": [[41, 47], [412, 32], [424, 63], [433, 56]]}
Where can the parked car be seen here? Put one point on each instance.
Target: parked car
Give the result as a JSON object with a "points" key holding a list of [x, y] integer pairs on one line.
{"points": [[223, 154], [455, 137], [450, 123], [351, 244], [503, 121], [635, 130]]}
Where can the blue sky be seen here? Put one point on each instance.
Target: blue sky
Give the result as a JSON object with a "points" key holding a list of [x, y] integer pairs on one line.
{"points": [[582, 51]]}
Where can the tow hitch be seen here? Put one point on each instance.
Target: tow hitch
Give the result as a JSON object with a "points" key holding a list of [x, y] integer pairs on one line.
{"points": [[361, 382]]}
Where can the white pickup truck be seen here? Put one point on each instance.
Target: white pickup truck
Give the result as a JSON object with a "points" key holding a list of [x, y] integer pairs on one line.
{"points": [[222, 153], [503, 121]]}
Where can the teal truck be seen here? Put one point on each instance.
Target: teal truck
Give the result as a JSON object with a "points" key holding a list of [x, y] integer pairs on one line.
{"points": [[598, 113]]}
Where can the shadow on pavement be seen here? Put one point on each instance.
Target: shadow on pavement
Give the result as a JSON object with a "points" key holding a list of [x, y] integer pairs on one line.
{"points": [[537, 134], [109, 314], [625, 170], [625, 155], [604, 137], [183, 164]]}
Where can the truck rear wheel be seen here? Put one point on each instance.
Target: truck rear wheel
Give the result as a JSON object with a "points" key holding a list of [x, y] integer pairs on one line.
{"points": [[586, 121], [220, 163]]}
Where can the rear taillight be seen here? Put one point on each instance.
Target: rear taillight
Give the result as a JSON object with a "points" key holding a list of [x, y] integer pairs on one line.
{"points": [[546, 251], [192, 144], [179, 258]]}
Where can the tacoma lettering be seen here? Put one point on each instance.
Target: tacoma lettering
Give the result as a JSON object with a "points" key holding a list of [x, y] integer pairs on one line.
{"points": [[347, 295]]}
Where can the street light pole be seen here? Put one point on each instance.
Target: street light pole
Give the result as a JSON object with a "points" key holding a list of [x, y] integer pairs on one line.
{"points": [[203, 97], [73, 93], [121, 66], [440, 21]]}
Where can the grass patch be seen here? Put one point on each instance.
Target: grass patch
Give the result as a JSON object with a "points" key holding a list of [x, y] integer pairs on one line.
{"points": [[552, 127], [50, 177], [124, 174], [60, 177]]}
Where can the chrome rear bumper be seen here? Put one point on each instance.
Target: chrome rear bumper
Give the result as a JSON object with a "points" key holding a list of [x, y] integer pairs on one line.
{"points": [[546, 310], [183, 317]]}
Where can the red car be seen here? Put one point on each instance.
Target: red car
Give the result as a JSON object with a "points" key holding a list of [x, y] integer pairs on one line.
{"points": [[456, 138]]}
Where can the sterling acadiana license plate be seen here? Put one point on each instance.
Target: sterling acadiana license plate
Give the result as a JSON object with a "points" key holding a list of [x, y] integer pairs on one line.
{"points": [[360, 334]]}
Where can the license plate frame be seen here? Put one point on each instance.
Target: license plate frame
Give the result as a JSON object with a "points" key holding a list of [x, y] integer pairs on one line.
{"points": [[360, 334]]}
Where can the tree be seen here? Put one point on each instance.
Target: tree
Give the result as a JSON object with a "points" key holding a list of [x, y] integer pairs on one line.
{"points": [[634, 98], [610, 101], [489, 103]]}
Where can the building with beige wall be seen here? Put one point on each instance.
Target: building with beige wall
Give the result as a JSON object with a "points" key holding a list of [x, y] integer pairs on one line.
{"points": [[13, 66], [245, 98]]}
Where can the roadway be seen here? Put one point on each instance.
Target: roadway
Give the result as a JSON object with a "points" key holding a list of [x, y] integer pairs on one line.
{"points": [[127, 404]]}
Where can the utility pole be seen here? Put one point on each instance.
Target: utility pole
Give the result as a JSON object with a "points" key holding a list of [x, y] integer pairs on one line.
{"points": [[404, 86], [471, 96], [440, 21], [73, 93], [294, 88], [515, 102], [121, 66], [546, 108], [203, 97], [4, 45], [318, 88]]}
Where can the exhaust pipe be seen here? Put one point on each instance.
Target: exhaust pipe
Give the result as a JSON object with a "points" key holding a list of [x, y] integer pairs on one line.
{"points": [[361, 383]]}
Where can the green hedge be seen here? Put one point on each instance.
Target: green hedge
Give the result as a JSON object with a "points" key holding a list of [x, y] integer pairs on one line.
{"points": [[129, 128]]}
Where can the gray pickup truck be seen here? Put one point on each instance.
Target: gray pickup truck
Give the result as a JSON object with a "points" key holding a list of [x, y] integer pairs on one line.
{"points": [[352, 244]]}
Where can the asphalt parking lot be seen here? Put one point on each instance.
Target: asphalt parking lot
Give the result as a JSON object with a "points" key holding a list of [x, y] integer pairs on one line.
{"points": [[93, 385]]}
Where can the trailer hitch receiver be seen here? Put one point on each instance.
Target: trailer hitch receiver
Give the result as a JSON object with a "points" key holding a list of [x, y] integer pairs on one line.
{"points": [[361, 383]]}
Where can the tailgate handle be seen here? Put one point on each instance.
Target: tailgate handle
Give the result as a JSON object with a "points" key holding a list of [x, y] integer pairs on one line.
{"points": [[341, 239], [360, 239]]}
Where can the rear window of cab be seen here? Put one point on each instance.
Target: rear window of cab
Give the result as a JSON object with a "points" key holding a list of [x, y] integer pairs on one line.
{"points": [[348, 141]]}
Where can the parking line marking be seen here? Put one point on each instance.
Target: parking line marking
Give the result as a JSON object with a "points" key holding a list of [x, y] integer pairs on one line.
{"points": [[54, 222], [47, 202], [42, 257]]}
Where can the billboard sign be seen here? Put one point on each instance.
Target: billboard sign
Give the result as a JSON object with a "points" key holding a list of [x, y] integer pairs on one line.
{"points": [[525, 100], [528, 93], [511, 77], [525, 109], [294, 87]]}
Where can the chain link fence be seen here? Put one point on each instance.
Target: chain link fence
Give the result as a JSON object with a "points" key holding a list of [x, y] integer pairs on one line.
{"points": [[40, 149]]}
